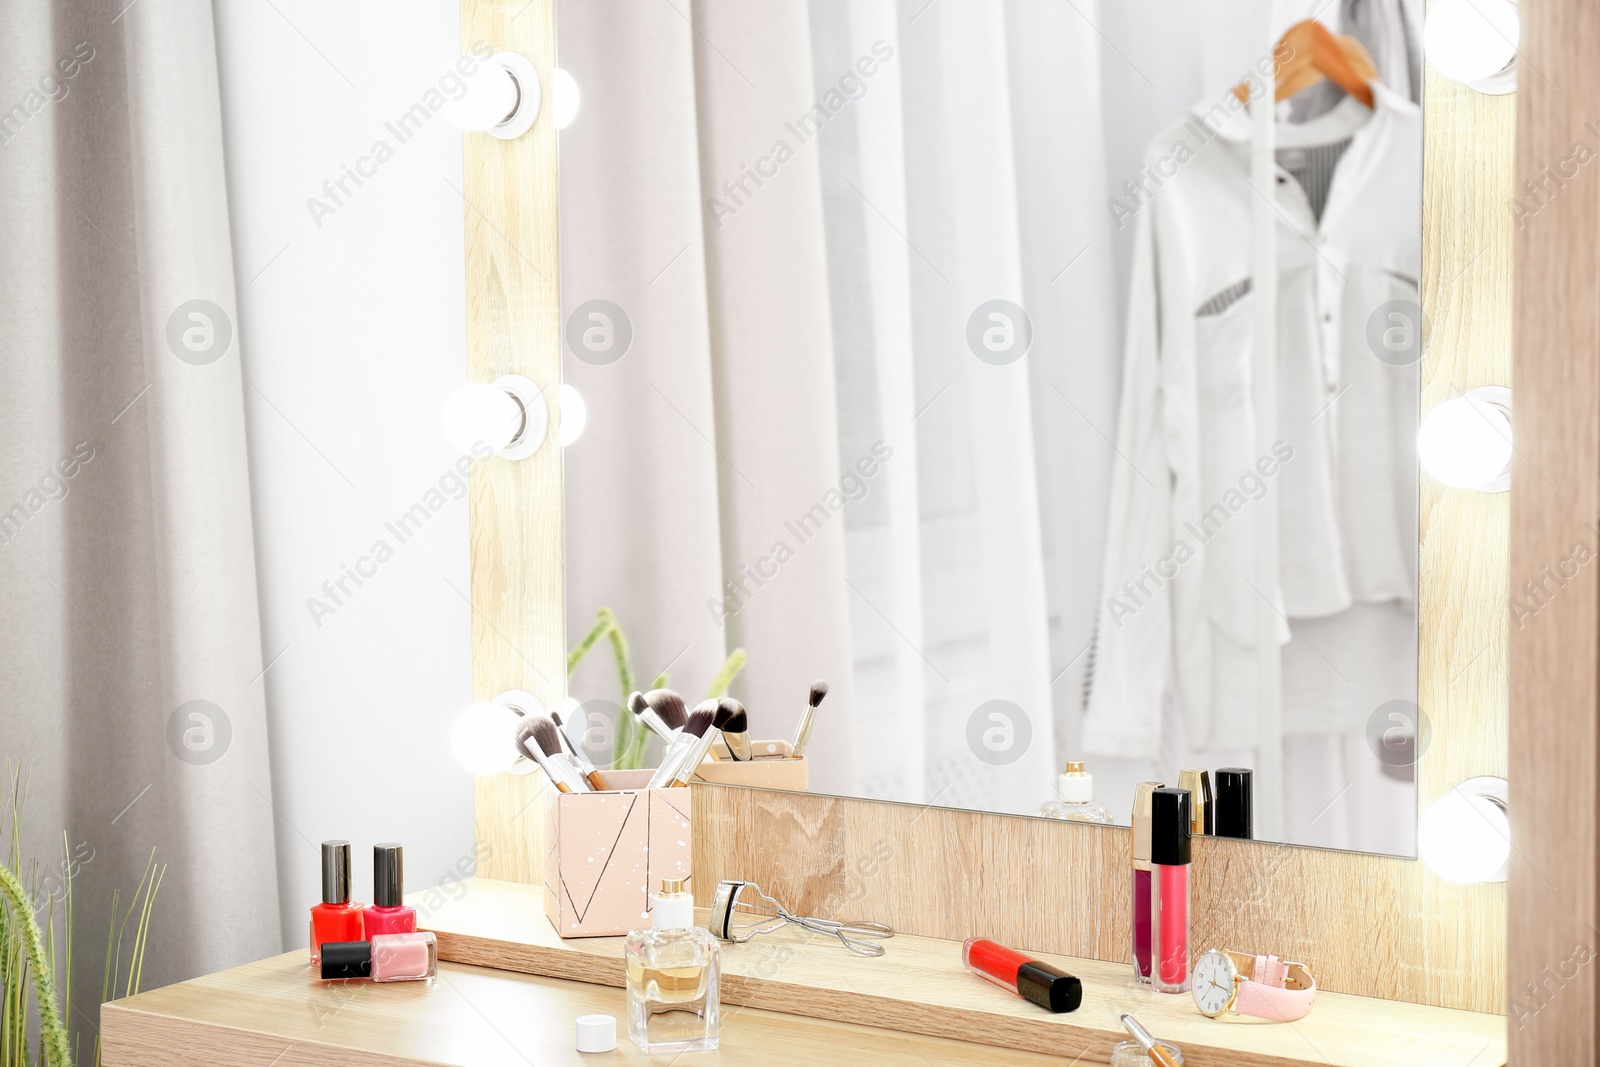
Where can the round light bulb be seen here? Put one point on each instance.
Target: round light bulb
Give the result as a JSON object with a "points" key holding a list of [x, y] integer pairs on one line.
{"points": [[574, 414], [1471, 40], [482, 413], [1464, 837], [566, 94], [484, 738], [490, 98], [1466, 443]]}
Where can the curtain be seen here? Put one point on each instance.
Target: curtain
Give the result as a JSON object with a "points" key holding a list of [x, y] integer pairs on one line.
{"points": [[131, 688]]}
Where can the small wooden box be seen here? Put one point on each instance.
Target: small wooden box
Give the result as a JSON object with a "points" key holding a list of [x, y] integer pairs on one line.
{"points": [[772, 768], [607, 853]]}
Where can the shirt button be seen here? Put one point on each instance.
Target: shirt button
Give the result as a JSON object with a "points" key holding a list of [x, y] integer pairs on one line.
{"points": [[1327, 317]]}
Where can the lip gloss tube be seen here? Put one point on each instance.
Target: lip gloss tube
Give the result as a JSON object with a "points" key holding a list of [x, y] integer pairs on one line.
{"points": [[1052, 989], [385, 958], [1170, 828], [1142, 870]]}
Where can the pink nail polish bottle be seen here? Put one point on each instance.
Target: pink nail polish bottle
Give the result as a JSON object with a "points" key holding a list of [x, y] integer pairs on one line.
{"points": [[388, 913], [384, 958]]}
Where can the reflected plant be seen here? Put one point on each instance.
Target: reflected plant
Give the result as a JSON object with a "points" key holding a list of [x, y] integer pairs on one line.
{"points": [[628, 753], [36, 993]]}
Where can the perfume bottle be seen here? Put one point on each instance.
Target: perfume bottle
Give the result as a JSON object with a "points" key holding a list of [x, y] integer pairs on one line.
{"points": [[1077, 803], [337, 918], [389, 913], [673, 969]]}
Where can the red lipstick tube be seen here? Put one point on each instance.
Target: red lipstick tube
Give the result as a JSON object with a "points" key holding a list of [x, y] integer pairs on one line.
{"points": [[1170, 828], [1051, 989]]}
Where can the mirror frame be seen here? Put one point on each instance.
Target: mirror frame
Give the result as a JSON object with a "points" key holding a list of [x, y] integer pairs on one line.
{"points": [[951, 872]]}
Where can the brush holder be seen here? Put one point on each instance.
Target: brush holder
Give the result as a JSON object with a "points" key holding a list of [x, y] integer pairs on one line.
{"points": [[772, 768], [607, 852]]}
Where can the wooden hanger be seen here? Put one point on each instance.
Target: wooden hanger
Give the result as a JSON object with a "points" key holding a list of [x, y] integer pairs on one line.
{"points": [[1314, 53]]}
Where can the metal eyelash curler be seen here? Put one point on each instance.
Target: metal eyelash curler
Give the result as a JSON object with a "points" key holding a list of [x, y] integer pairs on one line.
{"points": [[726, 901]]}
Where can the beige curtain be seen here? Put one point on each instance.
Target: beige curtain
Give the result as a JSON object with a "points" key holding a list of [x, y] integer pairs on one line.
{"points": [[130, 680]]}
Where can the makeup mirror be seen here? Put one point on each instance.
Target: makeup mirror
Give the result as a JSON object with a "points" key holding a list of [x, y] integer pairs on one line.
{"points": [[920, 347]]}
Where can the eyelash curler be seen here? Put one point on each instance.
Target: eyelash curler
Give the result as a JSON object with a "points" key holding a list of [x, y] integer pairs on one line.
{"points": [[726, 902]]}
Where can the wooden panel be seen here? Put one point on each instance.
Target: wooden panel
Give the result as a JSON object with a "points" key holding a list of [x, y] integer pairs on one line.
{"points": [[1555, 750], [273, 1014], [1054, 888], [514, 327], [920, 986]]}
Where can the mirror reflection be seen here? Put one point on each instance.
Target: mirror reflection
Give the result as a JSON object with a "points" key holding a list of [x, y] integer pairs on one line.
{"points": [[1043, 376]]}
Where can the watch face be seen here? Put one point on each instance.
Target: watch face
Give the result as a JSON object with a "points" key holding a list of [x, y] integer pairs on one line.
{"points": [[1212, 982]]}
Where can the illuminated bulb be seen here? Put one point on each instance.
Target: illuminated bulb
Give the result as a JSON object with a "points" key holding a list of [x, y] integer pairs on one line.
{"points": [[1465, 835], [566, 95], [1466, 442], [484, 738], [502, 96], [1474, 42], [574, 414], [509, 416]]}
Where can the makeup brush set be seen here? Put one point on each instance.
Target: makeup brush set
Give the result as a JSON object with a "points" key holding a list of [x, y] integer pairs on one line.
{"points": [[691, 737]]}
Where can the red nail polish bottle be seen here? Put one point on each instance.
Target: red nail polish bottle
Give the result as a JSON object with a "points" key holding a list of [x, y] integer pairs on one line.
{"points": [[337, 918], [388, 913]]}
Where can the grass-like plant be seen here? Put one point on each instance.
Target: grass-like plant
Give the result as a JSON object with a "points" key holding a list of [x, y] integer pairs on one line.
{"points": [[628, 753], [36, 916]]}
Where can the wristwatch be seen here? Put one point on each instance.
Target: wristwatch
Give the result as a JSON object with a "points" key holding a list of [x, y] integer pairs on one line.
{"points": [[1263, 987]]}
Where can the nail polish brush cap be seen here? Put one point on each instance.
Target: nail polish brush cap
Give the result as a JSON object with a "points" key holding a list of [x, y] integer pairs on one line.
{"points": [[1234, 803], [1142, 805], [1170, 827], [388, 875], [336, 872]]}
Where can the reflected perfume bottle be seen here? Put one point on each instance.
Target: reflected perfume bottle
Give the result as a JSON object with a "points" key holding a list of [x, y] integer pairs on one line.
{"points": [[1075, 798], [337, 918], [389, 913], [673, 973]]}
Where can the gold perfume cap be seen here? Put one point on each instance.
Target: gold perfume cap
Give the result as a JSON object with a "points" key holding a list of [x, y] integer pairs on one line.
{"points": [[1198, 783], [1074, 766], [672, 887], [1143, 808]]}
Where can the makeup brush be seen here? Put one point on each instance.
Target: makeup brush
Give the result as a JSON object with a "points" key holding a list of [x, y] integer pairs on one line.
{"points": [[735, 726], [642, 711], [574, 753], [1157, 1054], [697, 751], [802, 733], [541, 740], [669, 706], [696, 730]]}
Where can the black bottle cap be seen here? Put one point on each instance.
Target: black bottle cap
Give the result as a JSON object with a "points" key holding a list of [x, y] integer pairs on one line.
{"points": [[1049, 988], [1170, 827], [336, 872], [346, 959], [1234, 803], [388, 875]]}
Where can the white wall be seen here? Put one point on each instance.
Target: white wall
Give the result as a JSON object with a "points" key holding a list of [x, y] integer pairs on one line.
{"points": [[351, 331]]}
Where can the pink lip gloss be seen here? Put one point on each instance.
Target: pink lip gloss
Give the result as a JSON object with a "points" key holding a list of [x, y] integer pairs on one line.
{"points": [[384, 958], [1142, 872], [1170, 828], [389, 913]]}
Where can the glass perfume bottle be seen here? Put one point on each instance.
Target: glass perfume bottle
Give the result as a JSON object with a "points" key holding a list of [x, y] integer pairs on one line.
{"points": [[1076, 802], [673, 973]]}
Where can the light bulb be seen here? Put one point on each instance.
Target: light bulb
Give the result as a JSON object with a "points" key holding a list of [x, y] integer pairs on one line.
{"points": [[491, 97], [482, 414], [566, 96], [484, 738], [574, 414], [1465, 836], [1474, 42], [1466, 442]]}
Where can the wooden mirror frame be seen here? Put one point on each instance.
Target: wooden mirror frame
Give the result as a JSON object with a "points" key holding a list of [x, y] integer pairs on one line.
{"points": [[1372, 925]]}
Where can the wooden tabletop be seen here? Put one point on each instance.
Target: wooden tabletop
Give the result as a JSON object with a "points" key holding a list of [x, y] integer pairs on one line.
{"points": [[275, 1013]]}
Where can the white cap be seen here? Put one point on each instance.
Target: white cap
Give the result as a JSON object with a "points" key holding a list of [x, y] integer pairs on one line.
{"points": [[1077, 785], [597, 1033], [674, 907]]}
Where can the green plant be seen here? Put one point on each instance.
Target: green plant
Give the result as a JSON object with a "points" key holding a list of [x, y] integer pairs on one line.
{"points": [[29, 965], [628, 752]]}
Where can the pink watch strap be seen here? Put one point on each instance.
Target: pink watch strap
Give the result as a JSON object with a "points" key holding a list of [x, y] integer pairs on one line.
{"points": [[1265, 995]]}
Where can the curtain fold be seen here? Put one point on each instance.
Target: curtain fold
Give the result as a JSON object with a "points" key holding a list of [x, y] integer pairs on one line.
{"points": [[132, 685]]}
